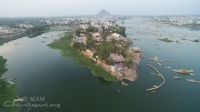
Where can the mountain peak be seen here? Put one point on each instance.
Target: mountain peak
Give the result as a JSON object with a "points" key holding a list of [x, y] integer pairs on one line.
{"points": [[103, 12]]}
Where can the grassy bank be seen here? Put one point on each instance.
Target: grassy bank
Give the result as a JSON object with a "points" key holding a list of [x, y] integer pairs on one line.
{"points": [[63, 44], [6, 90], [166, 40]]}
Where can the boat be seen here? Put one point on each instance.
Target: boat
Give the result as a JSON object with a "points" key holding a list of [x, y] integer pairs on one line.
{"points": [[152, 73], [159, 64], [124, 84], [177, 77]]}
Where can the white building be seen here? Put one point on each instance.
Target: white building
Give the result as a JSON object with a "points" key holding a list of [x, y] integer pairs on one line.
{"points": [[116, 36]]}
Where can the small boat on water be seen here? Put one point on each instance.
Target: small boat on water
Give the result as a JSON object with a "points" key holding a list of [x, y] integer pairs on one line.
{"points": [[124, 84], [159, 64], [177, 77]]}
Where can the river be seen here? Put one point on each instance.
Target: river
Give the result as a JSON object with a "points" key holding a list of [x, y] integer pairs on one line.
{"points": [[42, 72]]}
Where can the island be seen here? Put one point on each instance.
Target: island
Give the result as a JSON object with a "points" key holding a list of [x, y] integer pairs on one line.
{"points": [[103, 48]]}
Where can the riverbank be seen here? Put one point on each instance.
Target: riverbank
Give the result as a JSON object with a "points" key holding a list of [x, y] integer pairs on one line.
{"points": [[8, 38], [6, 89], [63, 44]]}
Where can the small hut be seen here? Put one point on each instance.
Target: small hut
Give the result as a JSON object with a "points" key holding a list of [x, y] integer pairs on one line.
{"points": [[136, 49], [116, 58]]}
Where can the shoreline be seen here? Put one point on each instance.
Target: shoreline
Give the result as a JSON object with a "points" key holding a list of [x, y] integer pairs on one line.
{"points": [[132, 75], [7, 90]]}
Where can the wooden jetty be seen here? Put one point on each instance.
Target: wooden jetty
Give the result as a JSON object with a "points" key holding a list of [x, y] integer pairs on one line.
{"points": [[159, 74]]}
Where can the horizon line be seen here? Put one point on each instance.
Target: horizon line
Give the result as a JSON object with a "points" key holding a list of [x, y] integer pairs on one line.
{"points": [[95, 15]]}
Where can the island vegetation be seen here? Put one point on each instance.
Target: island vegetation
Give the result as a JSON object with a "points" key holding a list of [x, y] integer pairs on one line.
{"points": [[103, 49], [166, 40], [67, 50], [106, 51], [196, 40]]}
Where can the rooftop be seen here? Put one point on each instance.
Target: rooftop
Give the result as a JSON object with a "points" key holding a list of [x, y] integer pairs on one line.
{"points": [[116, 58], [135, 49]]}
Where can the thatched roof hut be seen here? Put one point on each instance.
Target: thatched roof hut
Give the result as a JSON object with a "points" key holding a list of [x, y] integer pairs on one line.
{"points": [[116, 58]]}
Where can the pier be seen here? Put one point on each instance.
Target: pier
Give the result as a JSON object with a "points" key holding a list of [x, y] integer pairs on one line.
{"points": [[159, 74]]}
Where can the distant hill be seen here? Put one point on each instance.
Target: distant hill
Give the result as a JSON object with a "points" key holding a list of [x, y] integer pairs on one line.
{"points": [[103, 12]]}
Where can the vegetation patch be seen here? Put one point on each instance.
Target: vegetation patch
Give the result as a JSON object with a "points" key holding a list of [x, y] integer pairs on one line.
{"points": [[165, 40], [67, 50], [196, 40], [6, 89], [153, 91]]}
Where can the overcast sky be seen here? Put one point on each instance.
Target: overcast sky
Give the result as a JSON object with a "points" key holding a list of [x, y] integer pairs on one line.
{"points": [[24, 8]]}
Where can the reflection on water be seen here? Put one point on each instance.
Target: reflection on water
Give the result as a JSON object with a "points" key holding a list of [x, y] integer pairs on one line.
{"points": [[104, 82]]}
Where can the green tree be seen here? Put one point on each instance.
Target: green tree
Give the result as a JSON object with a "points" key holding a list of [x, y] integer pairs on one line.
{"points": [[128, 42], [80, 46], [90, 43], [77, 45], [109, 62], [113, 40], [95, 56], [128, 62], [91, 29], [78, 33]]}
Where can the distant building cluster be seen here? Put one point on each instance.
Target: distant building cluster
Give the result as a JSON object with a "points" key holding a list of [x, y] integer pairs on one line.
{"points": [[4, 30], [180, 20], [84, 22]]}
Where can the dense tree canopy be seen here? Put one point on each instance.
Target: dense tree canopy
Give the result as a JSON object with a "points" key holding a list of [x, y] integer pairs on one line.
{"points": [[79, 46], [105, 49], [78, 31], [91, 29]]}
